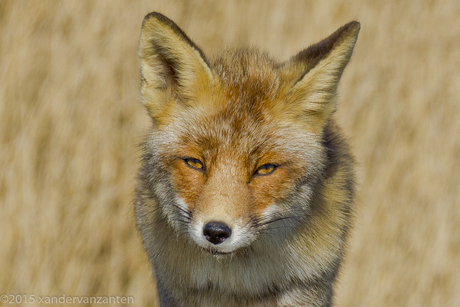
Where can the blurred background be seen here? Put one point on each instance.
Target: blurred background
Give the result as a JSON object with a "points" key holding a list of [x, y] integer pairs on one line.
{"points": [[71, 122]]}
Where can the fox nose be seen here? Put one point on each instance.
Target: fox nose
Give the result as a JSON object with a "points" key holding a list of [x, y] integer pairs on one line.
{"points": [[216, 232]]}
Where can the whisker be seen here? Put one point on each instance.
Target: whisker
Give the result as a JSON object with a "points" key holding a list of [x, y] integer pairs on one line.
{"points": [[187, 213], [276, 220]]}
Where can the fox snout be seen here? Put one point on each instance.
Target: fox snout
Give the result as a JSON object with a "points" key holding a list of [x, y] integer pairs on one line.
{"points": [[220, 233], [216, 232]]}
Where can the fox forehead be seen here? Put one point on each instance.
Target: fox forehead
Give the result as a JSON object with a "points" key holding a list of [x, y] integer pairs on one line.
{"points": [[247, 74], [243, 108], [237, 135]]}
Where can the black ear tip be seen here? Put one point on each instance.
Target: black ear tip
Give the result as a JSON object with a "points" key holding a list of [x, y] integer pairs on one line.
{"points": [[158, 16], [355, 23], [352, 26]]}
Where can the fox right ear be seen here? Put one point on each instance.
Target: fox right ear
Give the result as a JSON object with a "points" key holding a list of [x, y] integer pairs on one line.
{"points": [[172, 66], [316, 72]]}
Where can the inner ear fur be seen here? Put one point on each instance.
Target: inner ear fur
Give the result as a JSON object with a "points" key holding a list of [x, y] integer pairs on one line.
{"points": [[315, 73], [172, 66]]}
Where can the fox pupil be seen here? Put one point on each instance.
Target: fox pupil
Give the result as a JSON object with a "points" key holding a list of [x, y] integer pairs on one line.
{"points": [[194, 163], [266, 169]]}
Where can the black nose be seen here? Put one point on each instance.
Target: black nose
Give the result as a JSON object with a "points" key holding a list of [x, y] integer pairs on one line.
{"points": [[216, 232]]}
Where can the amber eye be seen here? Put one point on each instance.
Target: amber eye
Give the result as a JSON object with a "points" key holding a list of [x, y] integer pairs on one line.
{"points": [[194, 163], [266, 169]]}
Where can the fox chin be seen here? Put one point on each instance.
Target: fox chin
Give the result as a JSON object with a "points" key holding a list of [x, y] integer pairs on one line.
{"points": [[246, 191]]}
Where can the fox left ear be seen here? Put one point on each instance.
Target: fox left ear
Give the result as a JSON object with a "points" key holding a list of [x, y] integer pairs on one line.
{"points": [[316, 72], [173, 68]]}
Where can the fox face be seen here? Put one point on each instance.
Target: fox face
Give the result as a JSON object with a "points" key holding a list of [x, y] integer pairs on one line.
{"points": [[237, 135], [237, 151], [234, 168]]}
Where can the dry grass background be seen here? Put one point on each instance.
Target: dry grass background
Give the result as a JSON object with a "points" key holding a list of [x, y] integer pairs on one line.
{"points": [[70, 121]]}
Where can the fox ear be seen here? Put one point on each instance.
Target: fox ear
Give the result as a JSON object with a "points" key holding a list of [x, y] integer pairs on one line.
{"points": [[172, 66], [315, 73]]}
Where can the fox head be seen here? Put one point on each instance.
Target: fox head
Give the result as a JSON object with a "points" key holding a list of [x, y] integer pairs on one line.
{"points": [[236, 152]]}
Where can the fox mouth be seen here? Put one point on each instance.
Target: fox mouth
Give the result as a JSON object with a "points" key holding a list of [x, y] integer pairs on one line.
{"points": [[218, 253], [240, 252]]}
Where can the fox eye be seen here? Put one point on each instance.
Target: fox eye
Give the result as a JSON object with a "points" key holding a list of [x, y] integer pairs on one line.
{"points": [[194, 163], [266, 169]]}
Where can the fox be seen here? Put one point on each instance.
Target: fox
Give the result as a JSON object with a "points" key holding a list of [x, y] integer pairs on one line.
{"points": [[246, 189]]}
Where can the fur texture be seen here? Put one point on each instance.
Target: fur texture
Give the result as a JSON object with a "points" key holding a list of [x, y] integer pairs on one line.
{"points": [[248, 142]]}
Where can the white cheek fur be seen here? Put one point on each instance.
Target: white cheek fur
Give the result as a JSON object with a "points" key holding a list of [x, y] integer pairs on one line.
{"points": [[270, 211]]}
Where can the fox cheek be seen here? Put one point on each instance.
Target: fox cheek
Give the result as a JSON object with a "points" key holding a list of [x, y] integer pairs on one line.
{"points": [[267, 190], [188, 183]]}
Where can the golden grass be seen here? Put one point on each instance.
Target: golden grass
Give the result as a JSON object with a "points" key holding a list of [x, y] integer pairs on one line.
{"points": [[70, 121]]}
